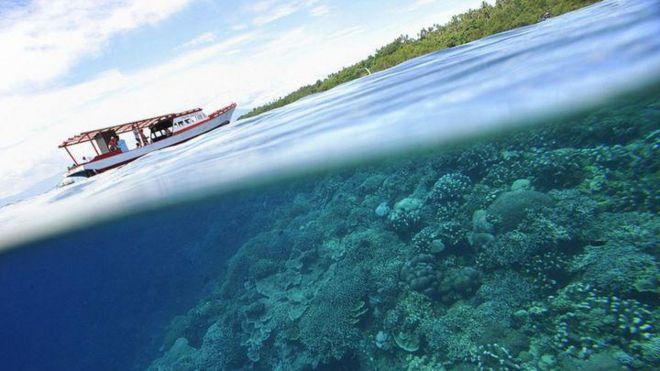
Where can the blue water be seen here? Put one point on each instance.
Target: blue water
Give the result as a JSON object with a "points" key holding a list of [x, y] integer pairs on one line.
{"points": [[96, 299], [94, 273]]}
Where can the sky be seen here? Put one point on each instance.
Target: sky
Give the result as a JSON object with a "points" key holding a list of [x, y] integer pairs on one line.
{"points": [[76, 65]]}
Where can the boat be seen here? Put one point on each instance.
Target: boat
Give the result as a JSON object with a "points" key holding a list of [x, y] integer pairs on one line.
{"points": [[111, 150]]}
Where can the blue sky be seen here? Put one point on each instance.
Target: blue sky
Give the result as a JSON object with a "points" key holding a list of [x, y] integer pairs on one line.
{"points": [[73, 65]]}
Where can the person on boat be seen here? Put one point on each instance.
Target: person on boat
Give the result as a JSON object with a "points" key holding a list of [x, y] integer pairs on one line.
{"points": [[112, 144], [145, 140], [136, 134]]}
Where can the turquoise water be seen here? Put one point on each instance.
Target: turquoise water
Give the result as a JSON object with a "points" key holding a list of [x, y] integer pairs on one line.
{"points": [[493, 206]]}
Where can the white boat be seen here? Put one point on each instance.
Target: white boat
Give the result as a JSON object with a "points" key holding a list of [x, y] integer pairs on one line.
{"points": [[163, 131]]}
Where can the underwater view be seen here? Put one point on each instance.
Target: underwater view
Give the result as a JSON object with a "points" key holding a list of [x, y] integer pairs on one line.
{"points": [[492, 206], [535, 250]]}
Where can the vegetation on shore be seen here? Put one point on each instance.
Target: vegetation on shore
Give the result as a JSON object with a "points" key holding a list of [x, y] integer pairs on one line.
{"points": [[472, 25]]}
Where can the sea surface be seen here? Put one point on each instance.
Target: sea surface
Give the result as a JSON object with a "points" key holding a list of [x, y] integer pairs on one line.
{"points": [[490, 206]]}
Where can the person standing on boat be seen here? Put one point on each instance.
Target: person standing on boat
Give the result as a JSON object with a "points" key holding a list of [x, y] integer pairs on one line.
{"points": [[145, 140], [136, 133]]}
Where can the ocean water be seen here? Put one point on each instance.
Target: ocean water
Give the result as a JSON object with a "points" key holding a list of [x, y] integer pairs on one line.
{"points": [[490, 206]]}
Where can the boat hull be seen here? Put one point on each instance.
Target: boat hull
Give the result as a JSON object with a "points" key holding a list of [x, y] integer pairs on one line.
{"points": [[121, 158]]}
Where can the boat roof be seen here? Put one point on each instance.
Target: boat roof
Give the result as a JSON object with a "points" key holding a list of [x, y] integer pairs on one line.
{"points": [[87, 136]]}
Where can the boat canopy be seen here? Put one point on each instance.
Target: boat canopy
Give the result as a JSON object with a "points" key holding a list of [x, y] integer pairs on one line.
{"points": [[88, 136]]}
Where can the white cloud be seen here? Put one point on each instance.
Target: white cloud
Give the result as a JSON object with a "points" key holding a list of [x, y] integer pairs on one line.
{"points": [[275, 14], [205, 38], [420, 3], [263, 6], [267, 11], [320, 10], [284, 42], [51, 36]]}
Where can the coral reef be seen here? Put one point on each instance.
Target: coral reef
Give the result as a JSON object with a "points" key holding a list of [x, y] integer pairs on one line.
{"points": [[405, 215], [494, 357], [441, 281], [582, 322], [450, 187], [617, 268], [536, 250], [510, 208]]}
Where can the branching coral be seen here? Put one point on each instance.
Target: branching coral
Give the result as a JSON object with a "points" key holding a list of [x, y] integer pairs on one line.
{"points": [[583, 321], [491, 357]]}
